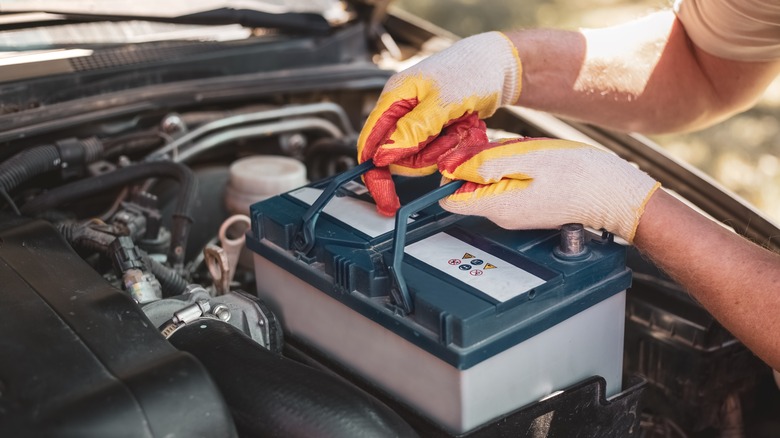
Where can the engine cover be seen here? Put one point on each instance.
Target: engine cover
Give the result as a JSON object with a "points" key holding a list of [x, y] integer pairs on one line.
{"points": [[79, 358]]}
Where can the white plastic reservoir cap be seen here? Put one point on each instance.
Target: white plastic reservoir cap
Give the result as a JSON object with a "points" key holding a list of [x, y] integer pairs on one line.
{"points": [[255, 178]]}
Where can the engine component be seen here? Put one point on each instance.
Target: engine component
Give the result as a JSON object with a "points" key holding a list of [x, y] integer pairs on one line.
{"points": [[486, 320], [222, 261], [232, 237], [81, 359], [184, 316], [70, 155], [99, 237], [243, 311], [140, 284], [140, 218], [294, 125], [182, 152], [253, 179], [273, 396], [182, 217], [219, 267]]}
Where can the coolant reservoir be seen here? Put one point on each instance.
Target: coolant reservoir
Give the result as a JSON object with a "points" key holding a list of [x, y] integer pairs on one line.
{"points": [[457, 318], [258, 177]]}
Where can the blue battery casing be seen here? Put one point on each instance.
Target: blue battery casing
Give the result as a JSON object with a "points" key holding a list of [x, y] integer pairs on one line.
{"points": [[451, 319]]}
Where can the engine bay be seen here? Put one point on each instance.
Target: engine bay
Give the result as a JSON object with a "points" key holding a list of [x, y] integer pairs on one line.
{"points": [[131, 301]]}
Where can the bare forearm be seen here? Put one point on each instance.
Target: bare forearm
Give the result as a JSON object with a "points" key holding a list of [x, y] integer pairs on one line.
{"points": [[643, 76], [737, 281]]}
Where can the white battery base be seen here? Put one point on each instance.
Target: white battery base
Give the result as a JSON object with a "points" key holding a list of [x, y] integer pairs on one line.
{"points": [[586, 344]]}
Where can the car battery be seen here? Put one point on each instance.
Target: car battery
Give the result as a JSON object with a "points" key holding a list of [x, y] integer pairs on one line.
{"points": [[460, 320]]}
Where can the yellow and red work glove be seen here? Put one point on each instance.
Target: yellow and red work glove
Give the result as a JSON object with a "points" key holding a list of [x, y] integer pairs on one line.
{"points": [[470, 79], [534, 183]]}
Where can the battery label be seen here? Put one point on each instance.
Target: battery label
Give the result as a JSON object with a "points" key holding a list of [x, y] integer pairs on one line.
{"points": [[358, 214], [489, 274]]}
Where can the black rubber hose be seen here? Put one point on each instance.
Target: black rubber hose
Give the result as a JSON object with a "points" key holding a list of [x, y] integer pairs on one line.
{"points": [[182, 219], [171, 282], [27, 164], [270, 395], [45, 158]]}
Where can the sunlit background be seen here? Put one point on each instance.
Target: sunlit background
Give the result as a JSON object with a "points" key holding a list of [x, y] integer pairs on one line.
{"points": [[743, 153]]}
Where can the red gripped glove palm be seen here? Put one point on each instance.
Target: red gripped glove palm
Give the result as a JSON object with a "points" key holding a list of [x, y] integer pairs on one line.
{"points": [[431, 107], [467, 130]]}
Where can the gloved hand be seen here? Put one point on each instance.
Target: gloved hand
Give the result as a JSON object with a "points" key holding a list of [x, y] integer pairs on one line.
{"points": [[535, 183], [473, 77], [467, 131]]}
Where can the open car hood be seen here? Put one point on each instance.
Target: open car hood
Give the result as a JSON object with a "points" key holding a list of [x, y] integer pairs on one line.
{"points": [[331, 10]]}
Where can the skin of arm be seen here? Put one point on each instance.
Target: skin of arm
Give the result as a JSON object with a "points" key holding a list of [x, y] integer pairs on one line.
{"points": [[647, 76], [736, 280], [643, 76]]}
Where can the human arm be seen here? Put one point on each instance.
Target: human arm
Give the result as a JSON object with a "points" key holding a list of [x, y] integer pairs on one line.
{"points": [[737, 281], [644, 76]]}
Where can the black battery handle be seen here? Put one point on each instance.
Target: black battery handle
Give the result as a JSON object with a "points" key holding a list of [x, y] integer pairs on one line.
{"points": [[304, 238], [399, 290]]}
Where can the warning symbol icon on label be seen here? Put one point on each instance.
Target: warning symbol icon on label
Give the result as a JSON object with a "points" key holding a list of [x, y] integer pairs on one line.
{"points": [[467, 256], [454, 262], [489, 266]]}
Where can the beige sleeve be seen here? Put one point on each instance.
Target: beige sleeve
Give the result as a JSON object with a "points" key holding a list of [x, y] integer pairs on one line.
{"points": [[742, 30]]}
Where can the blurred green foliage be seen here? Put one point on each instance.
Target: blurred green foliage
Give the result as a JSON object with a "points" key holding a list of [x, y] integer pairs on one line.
{"points": [[743, 153]]}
